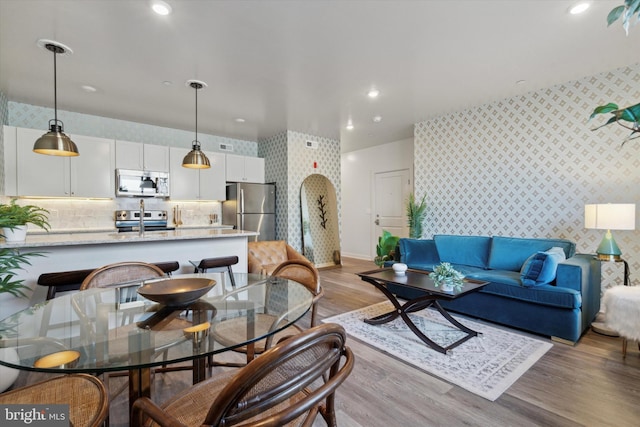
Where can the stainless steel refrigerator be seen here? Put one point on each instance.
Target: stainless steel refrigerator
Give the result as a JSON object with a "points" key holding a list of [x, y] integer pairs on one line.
{"points": [[251, 207]]}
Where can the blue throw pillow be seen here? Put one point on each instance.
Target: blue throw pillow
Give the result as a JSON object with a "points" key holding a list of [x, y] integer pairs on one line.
{"points": [[540, 268]]}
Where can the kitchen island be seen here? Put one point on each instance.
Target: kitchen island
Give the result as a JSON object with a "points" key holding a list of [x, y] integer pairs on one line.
{"points": [[76, 251]]}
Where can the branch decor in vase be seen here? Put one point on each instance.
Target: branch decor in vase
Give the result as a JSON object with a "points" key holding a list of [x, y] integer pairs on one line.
{"points": [[445, 276], [322, 206]]}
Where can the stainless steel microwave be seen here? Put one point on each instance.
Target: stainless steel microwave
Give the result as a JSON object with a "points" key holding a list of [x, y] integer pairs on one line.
{"points": [[134, 183]]}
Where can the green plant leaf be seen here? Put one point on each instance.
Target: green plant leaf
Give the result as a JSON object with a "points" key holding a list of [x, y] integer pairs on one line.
{"points": [[603, 109], [615, 14], [11, 261]]}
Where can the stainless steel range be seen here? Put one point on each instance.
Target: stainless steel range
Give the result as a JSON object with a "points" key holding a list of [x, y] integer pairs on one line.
{"points": [[130, 220]]}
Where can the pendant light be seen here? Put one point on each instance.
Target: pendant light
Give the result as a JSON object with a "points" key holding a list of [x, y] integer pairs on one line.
{"points": [[55, 142], [196, 159]]}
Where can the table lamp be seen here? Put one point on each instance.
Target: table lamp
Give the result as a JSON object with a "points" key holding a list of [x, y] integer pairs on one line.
{"points": [[610, 216]]}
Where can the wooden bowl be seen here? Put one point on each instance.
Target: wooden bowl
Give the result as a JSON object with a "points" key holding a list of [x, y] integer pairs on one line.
{"points": [[176, 292]]}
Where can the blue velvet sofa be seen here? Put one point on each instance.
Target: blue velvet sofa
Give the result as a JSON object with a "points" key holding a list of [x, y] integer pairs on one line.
{"points": [[562, 309]]}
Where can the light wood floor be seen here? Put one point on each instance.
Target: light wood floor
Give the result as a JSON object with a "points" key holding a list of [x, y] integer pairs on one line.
{"points": [[588, 384], [585, 385]]}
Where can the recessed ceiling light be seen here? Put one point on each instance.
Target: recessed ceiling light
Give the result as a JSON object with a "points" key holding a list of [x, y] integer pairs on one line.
{"points": [[89, 89], [349, 125], [240, 120], [377, 119], [167, 83], [160, 7], [579, 8], [373, 93], [520, 82]]}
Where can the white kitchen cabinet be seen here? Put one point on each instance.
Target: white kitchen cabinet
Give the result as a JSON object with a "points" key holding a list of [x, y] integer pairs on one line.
{"points": [[212, 180], [197, 184], [245, 169], [92, 172], [89, 175], [139, 156]]}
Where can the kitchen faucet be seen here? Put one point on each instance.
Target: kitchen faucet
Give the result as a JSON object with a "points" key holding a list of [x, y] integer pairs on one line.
{"points": [[141, 229]]}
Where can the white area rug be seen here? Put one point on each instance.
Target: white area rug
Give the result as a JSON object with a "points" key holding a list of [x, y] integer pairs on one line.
{"points": [[486, 365]]}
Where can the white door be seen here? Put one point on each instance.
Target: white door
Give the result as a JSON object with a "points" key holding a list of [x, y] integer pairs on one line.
{"points": [[391, 190]]}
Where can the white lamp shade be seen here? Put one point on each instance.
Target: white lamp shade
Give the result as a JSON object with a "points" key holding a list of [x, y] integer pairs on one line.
{"points": [[610, 216]]}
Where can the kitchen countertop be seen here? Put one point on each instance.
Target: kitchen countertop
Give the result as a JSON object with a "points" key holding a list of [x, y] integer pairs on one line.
{"points": [[107, 237]]}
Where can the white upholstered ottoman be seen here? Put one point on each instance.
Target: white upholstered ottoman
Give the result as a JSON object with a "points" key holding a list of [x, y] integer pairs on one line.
{"points": [[622, 306]]}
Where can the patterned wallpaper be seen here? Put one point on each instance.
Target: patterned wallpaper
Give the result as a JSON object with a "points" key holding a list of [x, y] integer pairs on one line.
{"points": [[274, 151], [526, 166], [4, 119], [35, 117], [287, 163], [320, 241]]}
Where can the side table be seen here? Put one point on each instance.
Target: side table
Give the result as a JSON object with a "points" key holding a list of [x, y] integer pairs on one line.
{"points": [[601, 327]]}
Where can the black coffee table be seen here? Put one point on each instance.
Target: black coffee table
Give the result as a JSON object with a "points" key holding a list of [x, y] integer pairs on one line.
{"points": [[419, 280]]}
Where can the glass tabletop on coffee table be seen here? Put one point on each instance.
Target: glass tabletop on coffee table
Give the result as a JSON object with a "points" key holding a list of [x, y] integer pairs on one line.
{"points": [[420, 280]]}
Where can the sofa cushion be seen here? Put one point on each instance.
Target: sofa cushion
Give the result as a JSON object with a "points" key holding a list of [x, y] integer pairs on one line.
{"points": [[510, 253], [464, 250], [540, 268], [507, 284], [420, 254]]}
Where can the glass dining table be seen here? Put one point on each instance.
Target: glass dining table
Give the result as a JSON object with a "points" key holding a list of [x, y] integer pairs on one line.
{"points": [[102, 330]]}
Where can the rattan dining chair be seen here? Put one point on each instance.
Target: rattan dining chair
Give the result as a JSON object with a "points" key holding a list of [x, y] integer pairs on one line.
{"points": [[86, 396], [283, 385], [126, 275], [119, 273], [227, 331]]}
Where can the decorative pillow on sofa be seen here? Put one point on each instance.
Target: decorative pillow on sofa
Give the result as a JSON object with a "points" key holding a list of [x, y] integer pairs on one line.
{"points": [[540, 268]]}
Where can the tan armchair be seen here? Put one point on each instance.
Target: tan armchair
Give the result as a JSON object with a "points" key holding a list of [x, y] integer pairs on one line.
{"points": [[264, 257]]}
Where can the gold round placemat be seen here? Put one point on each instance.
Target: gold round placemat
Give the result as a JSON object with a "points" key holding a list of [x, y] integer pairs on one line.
{"points": [[61, 359]]}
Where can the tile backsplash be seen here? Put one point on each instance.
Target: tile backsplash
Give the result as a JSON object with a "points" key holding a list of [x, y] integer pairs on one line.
{"points": [[89, 215]]}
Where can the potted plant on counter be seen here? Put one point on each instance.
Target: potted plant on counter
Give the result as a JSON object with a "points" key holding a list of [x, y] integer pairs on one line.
{"points": [[14, 219]]}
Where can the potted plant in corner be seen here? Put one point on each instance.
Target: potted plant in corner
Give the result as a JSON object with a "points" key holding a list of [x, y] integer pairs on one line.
{"points": [[416, 214], [386, 247], [14, 219]]}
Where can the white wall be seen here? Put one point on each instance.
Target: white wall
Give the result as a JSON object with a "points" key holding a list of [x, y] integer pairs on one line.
{"points": [[358, 169]]}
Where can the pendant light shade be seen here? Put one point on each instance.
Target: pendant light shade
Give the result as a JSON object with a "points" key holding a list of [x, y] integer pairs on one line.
{"points": [[55, 142], [196, 159]]}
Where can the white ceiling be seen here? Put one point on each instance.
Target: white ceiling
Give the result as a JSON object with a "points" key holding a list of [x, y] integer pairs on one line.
{"points": [[301, 65]]}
